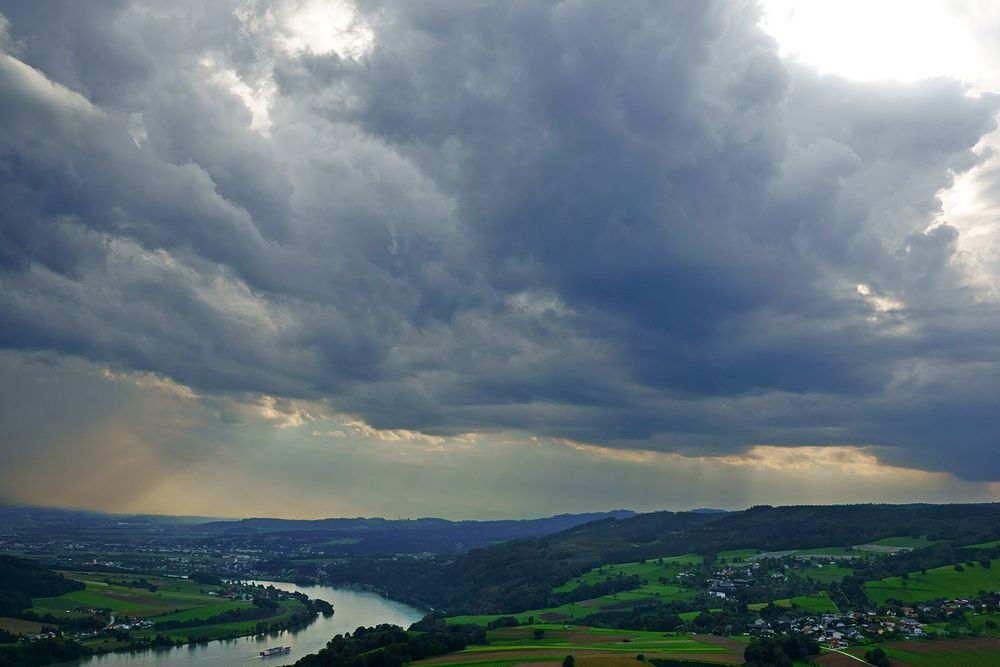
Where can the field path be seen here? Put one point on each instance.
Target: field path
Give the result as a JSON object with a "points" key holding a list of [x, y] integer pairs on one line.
{"points": [[852, 657]]}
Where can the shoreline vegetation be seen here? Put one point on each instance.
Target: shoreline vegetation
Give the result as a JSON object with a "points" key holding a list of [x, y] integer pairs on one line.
{"points": [[48, 616]]}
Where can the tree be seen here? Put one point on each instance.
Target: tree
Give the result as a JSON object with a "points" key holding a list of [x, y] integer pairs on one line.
{"points": [[766, 653], [568, 661], [878, 658], [538, 633]]}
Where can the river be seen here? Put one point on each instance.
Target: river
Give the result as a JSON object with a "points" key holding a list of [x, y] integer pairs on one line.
{"points": [[352, 608]]}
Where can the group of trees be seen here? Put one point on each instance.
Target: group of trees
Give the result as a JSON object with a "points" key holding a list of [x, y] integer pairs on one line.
{"points": [[42, 652], [22, 579], [391, 646], [134, 583], [779, 652], [263, 608]]}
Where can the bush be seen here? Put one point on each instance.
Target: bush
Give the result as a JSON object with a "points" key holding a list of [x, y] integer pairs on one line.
{"points": [[878, 658]]}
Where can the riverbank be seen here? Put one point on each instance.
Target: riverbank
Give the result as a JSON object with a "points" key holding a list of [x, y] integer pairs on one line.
{"points": [[354, 608]]}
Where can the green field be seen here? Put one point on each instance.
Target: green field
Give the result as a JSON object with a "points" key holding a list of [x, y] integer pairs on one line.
{"points": [[571, 611], [591, 647], [226, 630], [940, 582], [826, 574], [171, 596], [906, 542], [978, 622], [650, 570], [819, 603], [942, 653], [831, 551], [206, 611], [983, 545]]}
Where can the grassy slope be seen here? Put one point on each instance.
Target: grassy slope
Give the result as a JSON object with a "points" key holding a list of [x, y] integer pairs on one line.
{"points": [[910, 542], [940, 582], [651, 571], [984, 545]]}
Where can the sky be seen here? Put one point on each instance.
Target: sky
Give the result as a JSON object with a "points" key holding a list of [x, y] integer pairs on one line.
{"points": [[310, 258]]}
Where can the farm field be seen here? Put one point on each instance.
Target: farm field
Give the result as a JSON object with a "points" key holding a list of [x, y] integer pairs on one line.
{"points": [[939, 582], [19, 626], [981, 622], [827, 573], [206, 611], [225, 630], [819, 603], [650, 570], [983, 545], [905, 542], [982, 652], [174, 600], [172, 595], [831, 551], [595, 647], [565, 612]]}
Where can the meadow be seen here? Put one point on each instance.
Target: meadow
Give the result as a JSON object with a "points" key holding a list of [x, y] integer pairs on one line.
{"points": [[172, 595], [904, 542], [981, 652], [174, 600], [819, 603], [939, 582]]}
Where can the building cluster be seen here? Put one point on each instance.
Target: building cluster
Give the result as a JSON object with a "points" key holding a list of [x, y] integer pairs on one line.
{"points": [[842, 629]]}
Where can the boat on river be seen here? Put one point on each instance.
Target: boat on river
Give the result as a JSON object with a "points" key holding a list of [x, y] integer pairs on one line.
{"points": [[276, 650]]}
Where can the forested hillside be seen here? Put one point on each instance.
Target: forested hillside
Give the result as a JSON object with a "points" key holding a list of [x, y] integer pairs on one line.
{"points": [[521, 574]]}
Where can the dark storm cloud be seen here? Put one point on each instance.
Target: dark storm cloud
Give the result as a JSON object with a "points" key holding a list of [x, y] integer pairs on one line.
{"points": [[629, 224]]}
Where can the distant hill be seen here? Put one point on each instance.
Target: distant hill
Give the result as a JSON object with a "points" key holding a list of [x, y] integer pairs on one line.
{"points": [[334, 537], [545, 525], [521, 574], [362, 536]]}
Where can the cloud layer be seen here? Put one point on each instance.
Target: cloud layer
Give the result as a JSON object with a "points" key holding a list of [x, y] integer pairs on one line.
{"points": [[634, 226]]}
